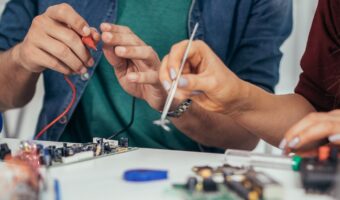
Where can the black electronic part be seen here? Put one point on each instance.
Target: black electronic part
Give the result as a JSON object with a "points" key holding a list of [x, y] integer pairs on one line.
{"points": [[191, 184], [209, 185], [4, 151], [123, 142], [318, 175]]}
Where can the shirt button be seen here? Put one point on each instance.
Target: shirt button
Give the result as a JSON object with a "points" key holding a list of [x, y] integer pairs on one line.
{"points": [[85, 77], [63, 120]]}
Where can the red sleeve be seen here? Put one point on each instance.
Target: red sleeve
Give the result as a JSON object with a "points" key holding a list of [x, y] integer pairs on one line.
{"points": [[320, 80]]}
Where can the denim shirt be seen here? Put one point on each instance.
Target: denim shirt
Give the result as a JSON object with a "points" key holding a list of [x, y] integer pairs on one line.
{"points": [[245, 34]]}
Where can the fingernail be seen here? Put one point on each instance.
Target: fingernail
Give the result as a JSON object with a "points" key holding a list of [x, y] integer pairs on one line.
{"points": [[197, 92], [334, 138], [121, 50], [90, 63], [294, 142], [173, 74], [166, 85], [182, 82], [283, 144], [106, 26], [107, 36], [87, 30], [83, 70], [132, 77]]}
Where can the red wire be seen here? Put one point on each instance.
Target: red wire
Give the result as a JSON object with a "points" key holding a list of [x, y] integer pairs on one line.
{"points": [[74, 95]]}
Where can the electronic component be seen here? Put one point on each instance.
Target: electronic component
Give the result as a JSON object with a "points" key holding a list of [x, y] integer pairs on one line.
{"points": [[236, 183], [67, 153], [318, 173]]}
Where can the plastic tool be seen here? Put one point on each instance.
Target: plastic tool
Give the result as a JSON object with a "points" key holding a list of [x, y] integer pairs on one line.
{"points": [[88, 41], [145, 175], [164, 121]]}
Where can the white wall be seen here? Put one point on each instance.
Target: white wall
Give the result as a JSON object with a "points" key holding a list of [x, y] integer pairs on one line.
{"points": [[293, 50]]}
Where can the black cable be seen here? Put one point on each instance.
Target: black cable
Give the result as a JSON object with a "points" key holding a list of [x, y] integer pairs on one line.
{"points": [[130, 123]]}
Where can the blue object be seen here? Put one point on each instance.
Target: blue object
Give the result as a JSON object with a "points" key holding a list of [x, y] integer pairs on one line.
{"points": [[57, 189], [144, 175]]}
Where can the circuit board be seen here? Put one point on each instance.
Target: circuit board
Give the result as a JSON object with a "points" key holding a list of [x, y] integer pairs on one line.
{"points": [[223, 193], [56, 156]]}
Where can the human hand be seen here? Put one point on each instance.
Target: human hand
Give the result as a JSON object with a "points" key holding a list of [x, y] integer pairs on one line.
{"points": [[136, 64], [205, 79], [312, 131], [54, 41]]}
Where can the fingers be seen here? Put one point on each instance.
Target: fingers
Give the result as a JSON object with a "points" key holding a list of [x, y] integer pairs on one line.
{"points": [[177, 53], [106, 27], [63, 53], [64, 13], [120, 39], [72, 40], [150, 77], [145, 53], [53, 63], [313, 128], [95, 35]]}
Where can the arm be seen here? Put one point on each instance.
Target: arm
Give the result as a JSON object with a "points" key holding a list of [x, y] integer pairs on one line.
{"points": [[256, 60], [48, 43]]}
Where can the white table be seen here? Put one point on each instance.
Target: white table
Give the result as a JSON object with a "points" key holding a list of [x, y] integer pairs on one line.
{"points": [[102, 178]]}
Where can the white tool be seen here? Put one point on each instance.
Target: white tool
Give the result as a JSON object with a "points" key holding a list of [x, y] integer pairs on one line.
{"points": [[164, 121]]}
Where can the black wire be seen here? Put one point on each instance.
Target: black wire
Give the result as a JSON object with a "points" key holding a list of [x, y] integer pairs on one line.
{"points": [[130, 123]]}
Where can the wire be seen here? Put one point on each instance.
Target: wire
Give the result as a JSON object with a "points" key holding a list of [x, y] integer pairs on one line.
{"points": [[67, 110], [130, 123]]}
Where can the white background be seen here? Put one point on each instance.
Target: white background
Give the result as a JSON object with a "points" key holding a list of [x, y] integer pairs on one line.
{"points": [[290, 69]]}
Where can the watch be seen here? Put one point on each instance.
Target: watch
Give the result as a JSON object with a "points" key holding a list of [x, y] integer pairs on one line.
{"points": [[181, 109]]}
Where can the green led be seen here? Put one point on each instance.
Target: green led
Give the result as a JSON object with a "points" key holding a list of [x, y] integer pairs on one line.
{"points": [[296, 162]]}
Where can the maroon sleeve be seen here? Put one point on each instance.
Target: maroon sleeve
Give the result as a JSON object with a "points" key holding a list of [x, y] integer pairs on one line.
{"points": [[320, 80]]}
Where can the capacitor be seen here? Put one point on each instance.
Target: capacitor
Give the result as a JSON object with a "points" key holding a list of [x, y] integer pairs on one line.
{"points": [[123, 142], [209, 185]]}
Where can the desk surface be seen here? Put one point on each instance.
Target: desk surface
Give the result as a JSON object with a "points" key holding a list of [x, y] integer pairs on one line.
{"points": [[102, 178]]}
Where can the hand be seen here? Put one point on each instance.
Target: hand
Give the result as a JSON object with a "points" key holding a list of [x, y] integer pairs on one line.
{"points": [[205, 79], [312, 131], [54, 41], [136, 64]]}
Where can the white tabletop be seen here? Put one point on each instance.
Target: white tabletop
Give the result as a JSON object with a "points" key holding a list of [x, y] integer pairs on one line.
{"points": [[102, 178]]}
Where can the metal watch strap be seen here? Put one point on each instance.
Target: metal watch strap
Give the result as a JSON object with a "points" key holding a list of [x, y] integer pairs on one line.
{"points": [[182, 108]]}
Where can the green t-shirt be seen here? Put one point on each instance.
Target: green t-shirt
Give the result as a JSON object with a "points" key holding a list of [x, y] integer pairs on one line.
{"points": [[105, 107]]}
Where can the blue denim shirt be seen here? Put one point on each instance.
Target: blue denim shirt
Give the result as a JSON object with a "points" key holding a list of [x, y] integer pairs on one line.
{"points": [[245, 34]]}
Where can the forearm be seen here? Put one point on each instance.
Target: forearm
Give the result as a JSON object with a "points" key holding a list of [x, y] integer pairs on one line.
{"points": [[215, 130], [17, 85], [269, 116]]}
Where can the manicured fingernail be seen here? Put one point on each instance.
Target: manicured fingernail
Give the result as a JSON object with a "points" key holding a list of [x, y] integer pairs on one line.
{"points": [[90, 63], [182, 82], [283, 144], [87, 30], [83, 70], [173, 74], [334, 138], [294, 142], [121, 50], [166, 85], [197, 92], [132, 77], [107, 36]]}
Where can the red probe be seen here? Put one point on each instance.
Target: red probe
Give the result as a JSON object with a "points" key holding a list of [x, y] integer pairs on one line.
{"points": [[89, 42]]}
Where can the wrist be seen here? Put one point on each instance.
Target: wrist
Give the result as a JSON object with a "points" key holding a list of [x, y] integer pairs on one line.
{"points": [[18, 60], [243, 101]]}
